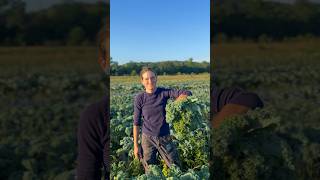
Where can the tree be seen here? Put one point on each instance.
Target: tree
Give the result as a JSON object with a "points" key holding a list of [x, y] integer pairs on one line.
{"points": [[133, 73], [12, 21], [76, 36], [114, 67]]}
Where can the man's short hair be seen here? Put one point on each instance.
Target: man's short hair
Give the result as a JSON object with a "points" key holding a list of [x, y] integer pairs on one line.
{"points": [[145, 69]]}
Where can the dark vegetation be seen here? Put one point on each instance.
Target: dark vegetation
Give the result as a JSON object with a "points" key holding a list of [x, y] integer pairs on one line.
{"points": [[162, 68], [72, 23], [260, 20]]}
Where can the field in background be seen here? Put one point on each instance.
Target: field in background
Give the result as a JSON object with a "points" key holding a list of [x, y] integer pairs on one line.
{"points": [[248, 55], [168, 78], [48, 60]]}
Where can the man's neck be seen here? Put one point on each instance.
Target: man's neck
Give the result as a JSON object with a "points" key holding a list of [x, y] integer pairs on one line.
{"points": [[151, 91]]}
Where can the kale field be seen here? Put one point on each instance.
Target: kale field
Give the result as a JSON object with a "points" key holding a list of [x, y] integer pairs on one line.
{"points": [[43, 91], [188, 121], [38, 122]]}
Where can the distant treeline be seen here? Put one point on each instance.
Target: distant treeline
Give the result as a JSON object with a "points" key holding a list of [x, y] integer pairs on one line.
{"points": [[70, 23], [161, 68], [264, 20], [77, 23]]}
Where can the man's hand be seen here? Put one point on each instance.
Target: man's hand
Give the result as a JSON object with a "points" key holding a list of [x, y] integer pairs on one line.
{"points": [[136, 151], [181, 97], [228, 111], [135, 141]]}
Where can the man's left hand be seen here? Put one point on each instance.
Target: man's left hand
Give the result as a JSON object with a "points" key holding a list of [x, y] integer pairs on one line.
{"points": [[182, 97]]}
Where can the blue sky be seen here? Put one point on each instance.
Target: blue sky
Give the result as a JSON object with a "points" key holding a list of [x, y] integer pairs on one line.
{"points": [[154, 30]]}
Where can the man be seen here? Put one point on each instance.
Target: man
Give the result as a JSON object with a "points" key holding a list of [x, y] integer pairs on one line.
{"points": [[93, 129], [228, 102], [155, 130]]}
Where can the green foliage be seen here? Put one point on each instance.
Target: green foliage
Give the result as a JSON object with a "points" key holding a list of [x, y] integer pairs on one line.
{"points": [[244, 147], [188, 119], [251, 146]]}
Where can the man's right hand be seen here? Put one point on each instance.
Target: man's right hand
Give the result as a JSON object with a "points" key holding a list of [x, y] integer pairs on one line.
{"points": [[228, 111], [136, 151], [135, 141]]}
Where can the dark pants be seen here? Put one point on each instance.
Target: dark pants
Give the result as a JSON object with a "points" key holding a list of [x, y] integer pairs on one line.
{"points": [[164, 145]]}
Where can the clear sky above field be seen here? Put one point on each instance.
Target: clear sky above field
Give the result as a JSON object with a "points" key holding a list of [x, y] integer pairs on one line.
{"points": [[145, 30]]}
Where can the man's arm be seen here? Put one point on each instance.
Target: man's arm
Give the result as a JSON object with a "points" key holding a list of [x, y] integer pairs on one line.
{"points": [[178, 94], [136, 130], [136, 125]]}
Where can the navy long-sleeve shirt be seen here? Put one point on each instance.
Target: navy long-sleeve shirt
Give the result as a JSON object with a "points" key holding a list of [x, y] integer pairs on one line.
{"points": [[151, 106], [234, 95], [93, 142]]}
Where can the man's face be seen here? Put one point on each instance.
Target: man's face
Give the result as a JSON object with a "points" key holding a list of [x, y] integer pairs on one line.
{"points": [[149, 81]]}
